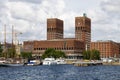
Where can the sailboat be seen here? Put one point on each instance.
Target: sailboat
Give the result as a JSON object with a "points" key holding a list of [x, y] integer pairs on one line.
{"points": [[11, 61], [9, 64]]}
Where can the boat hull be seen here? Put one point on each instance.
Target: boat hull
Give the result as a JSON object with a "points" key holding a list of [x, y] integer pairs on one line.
{"points": [[49, 61], [10, 65]]}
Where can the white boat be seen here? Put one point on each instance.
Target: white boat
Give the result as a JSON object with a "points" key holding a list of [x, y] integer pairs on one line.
{"points": [[33, 62], [7, 63], [49, 61], [2, 61], [13, 64], [60, 61]]}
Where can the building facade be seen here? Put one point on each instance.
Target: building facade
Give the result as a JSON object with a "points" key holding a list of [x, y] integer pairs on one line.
{"points": [[73, 47], [119, 48], [108, 49], [28, 46], [83, 30], [54, 29]]}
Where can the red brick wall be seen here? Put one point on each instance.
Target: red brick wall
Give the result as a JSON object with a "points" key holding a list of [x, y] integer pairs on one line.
{"points": [[83, 30], [68, 46], [107, 49], [54, 29]]}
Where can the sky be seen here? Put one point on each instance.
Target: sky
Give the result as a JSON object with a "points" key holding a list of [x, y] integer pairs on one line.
{"points": [[30, 16]]}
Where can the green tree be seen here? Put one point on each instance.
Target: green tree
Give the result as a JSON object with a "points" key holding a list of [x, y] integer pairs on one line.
{"points": [[86, 54], [50, 52], [26, 55], [4, 53], [96, 54], [1, 50], [60, 54], [11, 53], [91, 55]]}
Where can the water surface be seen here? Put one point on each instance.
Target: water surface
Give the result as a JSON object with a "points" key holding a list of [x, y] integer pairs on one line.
{"points": [[60, 72]]}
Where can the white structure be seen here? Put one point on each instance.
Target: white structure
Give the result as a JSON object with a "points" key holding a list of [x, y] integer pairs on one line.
{"points": [[49, 61], [33, 62], [60, 61]]}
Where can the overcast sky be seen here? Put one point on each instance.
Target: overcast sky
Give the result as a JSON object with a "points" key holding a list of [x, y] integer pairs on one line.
{"points": [[29, 17]]}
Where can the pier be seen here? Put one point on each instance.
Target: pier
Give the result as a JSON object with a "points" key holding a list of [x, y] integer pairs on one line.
{"points": [[87, 63]]}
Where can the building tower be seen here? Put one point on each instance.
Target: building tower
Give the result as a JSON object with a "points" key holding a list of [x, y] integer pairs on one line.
{"points": [[83, 30], [54, 29]]}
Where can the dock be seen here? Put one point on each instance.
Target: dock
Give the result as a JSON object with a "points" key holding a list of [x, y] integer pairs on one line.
{"points": [[87, 63]]}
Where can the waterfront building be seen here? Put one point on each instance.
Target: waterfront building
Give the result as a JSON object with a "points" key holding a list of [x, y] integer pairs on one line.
{"points": [[83, 30], [54, 29], [119, 48], [28, 46], [108, 48], [73, 47]]}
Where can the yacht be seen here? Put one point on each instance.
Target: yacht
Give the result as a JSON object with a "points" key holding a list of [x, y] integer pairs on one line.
{"points": [[49, 61], [60, 61], [33, 62]]}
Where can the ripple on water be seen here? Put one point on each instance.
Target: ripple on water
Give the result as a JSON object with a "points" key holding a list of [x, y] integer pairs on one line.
{"points": [[60, 72]]}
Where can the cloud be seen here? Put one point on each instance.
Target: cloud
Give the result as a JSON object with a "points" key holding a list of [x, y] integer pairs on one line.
{"points": [[105, 21], [29, 17], [111, 6], [28, 1]]}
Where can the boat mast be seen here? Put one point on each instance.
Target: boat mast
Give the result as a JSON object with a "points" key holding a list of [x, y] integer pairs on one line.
{"points": [[5, 47], [5, 37], [12, 36]]}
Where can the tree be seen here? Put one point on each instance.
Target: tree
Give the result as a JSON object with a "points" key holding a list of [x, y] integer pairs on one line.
{"points": [[91, 55], [96, 54], [1, 50], [26, 55], [60, 54], [50, 52], [86, 54], [11, 53]]}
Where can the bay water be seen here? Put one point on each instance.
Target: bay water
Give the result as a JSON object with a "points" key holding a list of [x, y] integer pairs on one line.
{"points": [[60, 72]]}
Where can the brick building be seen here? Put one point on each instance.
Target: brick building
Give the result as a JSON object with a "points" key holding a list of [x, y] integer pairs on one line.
{"points": [[107, 49], [83, 30], [54, 29], [73, 47], [28, 46], [119, 47]]}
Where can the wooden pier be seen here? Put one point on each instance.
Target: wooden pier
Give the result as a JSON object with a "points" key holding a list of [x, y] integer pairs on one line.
{"points": [[88, 63]]}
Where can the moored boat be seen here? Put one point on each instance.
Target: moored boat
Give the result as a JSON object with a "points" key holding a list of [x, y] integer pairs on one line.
{"points": [[49, 61], [60, 61], [33, 62], [13, 64], [8, 63]]}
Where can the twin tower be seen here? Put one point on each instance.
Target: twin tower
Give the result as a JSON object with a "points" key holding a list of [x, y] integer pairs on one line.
{"points": [[82, 29]]}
